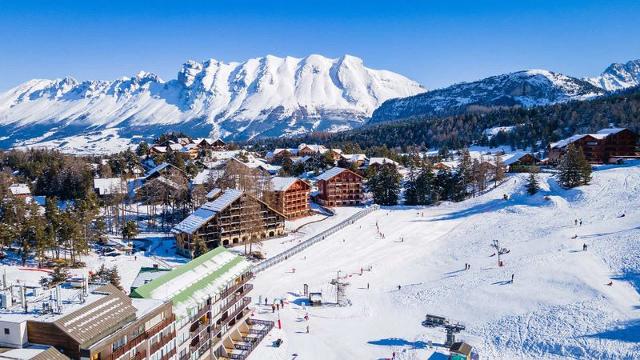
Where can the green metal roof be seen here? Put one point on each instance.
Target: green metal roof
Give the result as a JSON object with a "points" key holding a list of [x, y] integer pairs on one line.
{"points": [[146, 290]]}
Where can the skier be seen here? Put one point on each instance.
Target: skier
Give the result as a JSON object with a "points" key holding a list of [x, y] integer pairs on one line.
{"points": [[282, 303], [610, 283], [265, 301], [512, 278], [367, 286], [584, 247], [576, 222], [399, 287], [580, 222], [278, 307], [273, 308], [307, 329]]}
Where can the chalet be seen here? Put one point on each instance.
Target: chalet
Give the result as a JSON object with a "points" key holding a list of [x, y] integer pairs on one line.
{"points": [[210, 144], [291, 196], [109, 186], [340, 187], [605, 146], [336, 154], [522, 162], [232, 217], [158, 150], [20, 190], [308, 149], [443, 166], [210, 297], [279, 154], [377, 162], [356, 160]]}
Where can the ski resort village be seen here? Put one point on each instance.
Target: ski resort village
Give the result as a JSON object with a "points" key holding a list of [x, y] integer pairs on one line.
{"points": [[195, 248]]}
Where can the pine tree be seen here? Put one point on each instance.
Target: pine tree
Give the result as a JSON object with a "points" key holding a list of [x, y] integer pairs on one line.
{"points": [[129, 230], [532, 184], [574, 169], [199, 246], [385, 185], [114, 277]]}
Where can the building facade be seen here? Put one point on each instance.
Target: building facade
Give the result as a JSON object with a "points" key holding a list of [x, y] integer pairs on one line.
{"points": [[212, 309], [231, 218], [340, 187], [602, 147], [291, 196]]}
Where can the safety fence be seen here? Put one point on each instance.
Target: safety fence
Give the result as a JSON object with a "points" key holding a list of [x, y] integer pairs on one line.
{"points": [[314, 239]]}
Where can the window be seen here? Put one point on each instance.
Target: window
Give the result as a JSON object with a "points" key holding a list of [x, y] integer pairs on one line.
{"points": [[6, 331], [119, 343]]}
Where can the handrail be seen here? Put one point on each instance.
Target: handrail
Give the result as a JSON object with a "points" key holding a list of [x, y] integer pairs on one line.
{"points": [[314, 239]]}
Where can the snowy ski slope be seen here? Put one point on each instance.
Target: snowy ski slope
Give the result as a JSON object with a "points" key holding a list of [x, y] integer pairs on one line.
{"points": [[559, 305]]}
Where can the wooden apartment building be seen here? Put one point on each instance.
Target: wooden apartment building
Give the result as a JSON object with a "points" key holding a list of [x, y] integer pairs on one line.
{"points": [[232, 217], [340, 187], [291, 196], [605, 146]]}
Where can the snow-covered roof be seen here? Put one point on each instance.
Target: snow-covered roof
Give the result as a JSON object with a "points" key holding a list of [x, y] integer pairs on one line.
{"points": [[313, 147], [354, 157], [206, 212], [192, 284], [19, 189], [330, 173], [175, 147], [611, 131], [204, 175], [515, 157], [282, 183], [158, 168], [160, 149], [564, 142], [381, 161], [109, 186]]}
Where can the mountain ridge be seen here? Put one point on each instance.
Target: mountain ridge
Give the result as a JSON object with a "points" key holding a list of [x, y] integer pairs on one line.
{"points": [[266, 96]]}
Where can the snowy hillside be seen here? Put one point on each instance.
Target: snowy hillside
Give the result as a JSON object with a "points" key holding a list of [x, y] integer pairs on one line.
{"points": [[618, 76], [268, 96], [524, 88], [559, 305]]}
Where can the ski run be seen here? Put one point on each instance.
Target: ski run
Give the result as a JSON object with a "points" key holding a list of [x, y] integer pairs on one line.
{"points": [[559, 305]]}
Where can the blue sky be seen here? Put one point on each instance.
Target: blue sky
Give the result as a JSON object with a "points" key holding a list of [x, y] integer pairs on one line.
{"points": [[434, 42]]}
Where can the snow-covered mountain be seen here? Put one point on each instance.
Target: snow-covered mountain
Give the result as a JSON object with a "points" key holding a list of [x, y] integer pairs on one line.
{"points": [[267, 96], [618, 76], [523, 88]]}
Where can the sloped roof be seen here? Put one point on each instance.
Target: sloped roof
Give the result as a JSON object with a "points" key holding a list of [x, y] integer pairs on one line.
{"points": [[354, 157], [461, 347], [19, 189], [515, 157], [193, 283], [158, 168], [213, 193], [381, 161], [100, 318], [108, 186], [206, 212], [564, 142], [282, 183], [334, 171], [611, 131]]}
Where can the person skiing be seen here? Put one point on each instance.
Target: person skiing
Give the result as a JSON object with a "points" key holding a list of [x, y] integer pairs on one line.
{"points": [[307, 329], [512, 278], [273, 308], [575, 222], [580, 222], [399, 287], [584, 247], [367, 286], [610, 283]]}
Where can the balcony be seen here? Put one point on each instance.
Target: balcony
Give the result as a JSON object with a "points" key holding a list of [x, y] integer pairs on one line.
{"points": [[140, 355], [200, 313], [162, 342], [163, 324], [216, 329]]}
